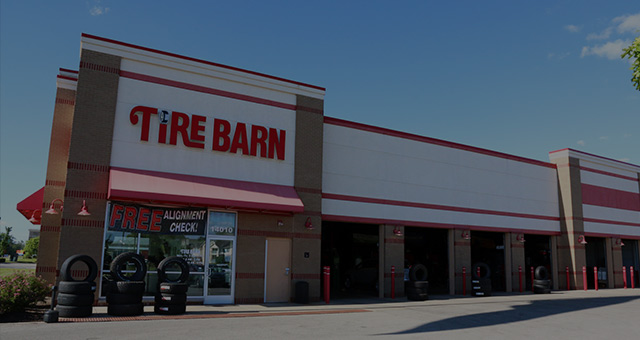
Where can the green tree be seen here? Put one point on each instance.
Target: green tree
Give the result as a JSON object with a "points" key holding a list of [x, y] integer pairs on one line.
{"points": [[31, 248], [6, 241], [633, 52]]}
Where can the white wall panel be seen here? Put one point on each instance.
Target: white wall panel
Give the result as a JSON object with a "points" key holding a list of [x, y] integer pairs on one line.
{"points": [[610, 214], [130, 152], [611, 166], [589, 177], [611, 229], [368, 164]]}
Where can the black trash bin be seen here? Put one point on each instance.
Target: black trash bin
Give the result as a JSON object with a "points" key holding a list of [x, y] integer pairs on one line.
{"points": [[302, 292]]}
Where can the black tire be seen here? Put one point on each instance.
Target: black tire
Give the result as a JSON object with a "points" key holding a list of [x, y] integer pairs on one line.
{"points": [[541, 273], [184, 269], [542, 283], [74, 311], [170, 310], [127, 287], [65, 269], [75, 287], [120, 262], [123, 299], [483, 267], [418, 296], [78, 300], [541, 290], [417, 284], [418, 272], [126, 310], [171, 299], [173, 288]]}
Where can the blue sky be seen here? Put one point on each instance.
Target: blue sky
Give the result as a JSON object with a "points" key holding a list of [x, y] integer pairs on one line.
{"points": [[520, 77]]}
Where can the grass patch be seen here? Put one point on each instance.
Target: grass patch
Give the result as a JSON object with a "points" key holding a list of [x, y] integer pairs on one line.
{"points": [[9, 271], [23, 260]]}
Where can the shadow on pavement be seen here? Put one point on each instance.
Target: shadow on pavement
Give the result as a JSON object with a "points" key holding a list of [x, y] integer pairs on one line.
{"points": [[536, 309]]}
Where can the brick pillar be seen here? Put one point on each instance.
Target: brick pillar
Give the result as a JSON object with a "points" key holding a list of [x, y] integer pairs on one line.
{"points": [[614, 264], [47, 266], [462, 258], [517, 259], [570, 252], [89, 156], [308, 185], [393, 256]]}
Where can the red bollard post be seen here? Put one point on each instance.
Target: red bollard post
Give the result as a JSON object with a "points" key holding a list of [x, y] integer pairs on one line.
{"points": [[393, 282], [624, 276], [520, 277], [532, 278], [595, 276], [584, 277], [478, 272], [568, 278], [633, 280], [327, 282], [464, 280]]}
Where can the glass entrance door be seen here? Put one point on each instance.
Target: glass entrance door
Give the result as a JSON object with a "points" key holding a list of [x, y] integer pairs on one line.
{"points": [[220, 271]]}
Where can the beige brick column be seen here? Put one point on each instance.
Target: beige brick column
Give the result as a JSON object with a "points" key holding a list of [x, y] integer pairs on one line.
{"points": [[614, 264], [47, 266], [462, 258], [393, 256], [517, 262], [306, 245], [570, 252], [89, 156]]}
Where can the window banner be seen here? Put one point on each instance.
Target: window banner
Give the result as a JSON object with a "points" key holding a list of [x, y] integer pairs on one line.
{"points": [[155, 220]]}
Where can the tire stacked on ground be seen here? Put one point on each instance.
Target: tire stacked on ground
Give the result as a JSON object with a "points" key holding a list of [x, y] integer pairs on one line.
{"points": [[481, 285], [75, 297], [171, 298], [541, 283], [417, 288], [124, 293]]}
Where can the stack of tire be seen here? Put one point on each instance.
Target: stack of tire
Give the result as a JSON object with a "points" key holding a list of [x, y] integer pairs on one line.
{"points": [[171, 298], [75, 297], [125, 291], [417, 288], [481, 284], [541, 282]]}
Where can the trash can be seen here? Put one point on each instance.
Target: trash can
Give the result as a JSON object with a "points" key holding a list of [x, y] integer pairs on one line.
{"points": [[302, 292]]}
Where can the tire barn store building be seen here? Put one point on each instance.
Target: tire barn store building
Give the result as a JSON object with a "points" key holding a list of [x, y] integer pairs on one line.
{"points": [[244, 176]]}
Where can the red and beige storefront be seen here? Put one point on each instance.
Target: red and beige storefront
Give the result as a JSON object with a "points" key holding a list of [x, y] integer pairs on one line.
{"points": [[243, 175]]}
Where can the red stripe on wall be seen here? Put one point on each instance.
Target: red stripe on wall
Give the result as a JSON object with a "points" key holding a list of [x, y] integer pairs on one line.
{"points": [[85, 194], [594, 220], [51, 182], [82, 223], [435, 206], [418, 138], [608, 174], [87, 166], [202, 89], [610, 198]]}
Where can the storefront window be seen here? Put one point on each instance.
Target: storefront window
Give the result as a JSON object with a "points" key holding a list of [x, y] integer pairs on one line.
{"points": [[220, 267], [157, 247], [116, 243]]}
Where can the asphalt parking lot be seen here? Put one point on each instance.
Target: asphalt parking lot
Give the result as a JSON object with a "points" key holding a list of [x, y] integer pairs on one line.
{"points": [[607, 313]]}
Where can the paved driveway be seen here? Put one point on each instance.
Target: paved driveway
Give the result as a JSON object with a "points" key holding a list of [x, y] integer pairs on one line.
{"points": [[606, 314]]}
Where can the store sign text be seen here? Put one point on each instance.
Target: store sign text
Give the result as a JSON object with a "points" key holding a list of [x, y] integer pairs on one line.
{"points": [[250, 140], [142, 219]]}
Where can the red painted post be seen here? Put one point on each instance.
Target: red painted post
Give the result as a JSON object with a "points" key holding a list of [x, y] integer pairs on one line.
{"points": [[464, 280], [532, 277], [595, 276], [393, 282], [520, 277], [327, 282], [478, 272], [568, 278], [633, 281], [624, 276], [584, 277]]}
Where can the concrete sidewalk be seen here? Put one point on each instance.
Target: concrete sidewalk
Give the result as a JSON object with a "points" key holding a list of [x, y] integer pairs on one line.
{"points": [[348, 305]]}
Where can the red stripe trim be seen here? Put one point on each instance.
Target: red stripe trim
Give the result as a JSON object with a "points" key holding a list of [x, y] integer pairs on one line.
{"points": [[87, 166], [50, 228], [85, 194], [280, 234], [199, 61], [309, 109], [608, 174], [51, 182], [592, 155], [101, 68], [418, 138], [82, 223], [435, 206], [68, 70], [65, 101], [610, 198], [67, 78], [202, 89], [366, 220]]}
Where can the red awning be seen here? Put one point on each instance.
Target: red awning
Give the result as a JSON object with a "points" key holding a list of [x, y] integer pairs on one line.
{"points": [[163, 187], [32, 204]]}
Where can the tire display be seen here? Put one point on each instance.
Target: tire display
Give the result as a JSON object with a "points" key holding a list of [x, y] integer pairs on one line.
{"points": [[481, 287], [485, 271], [541, 286], [124, 294], [169, 261], [541, 273], [170, 310], [76, 297], [174, 288], [172, 293], [418, 272], [417, 290]]}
